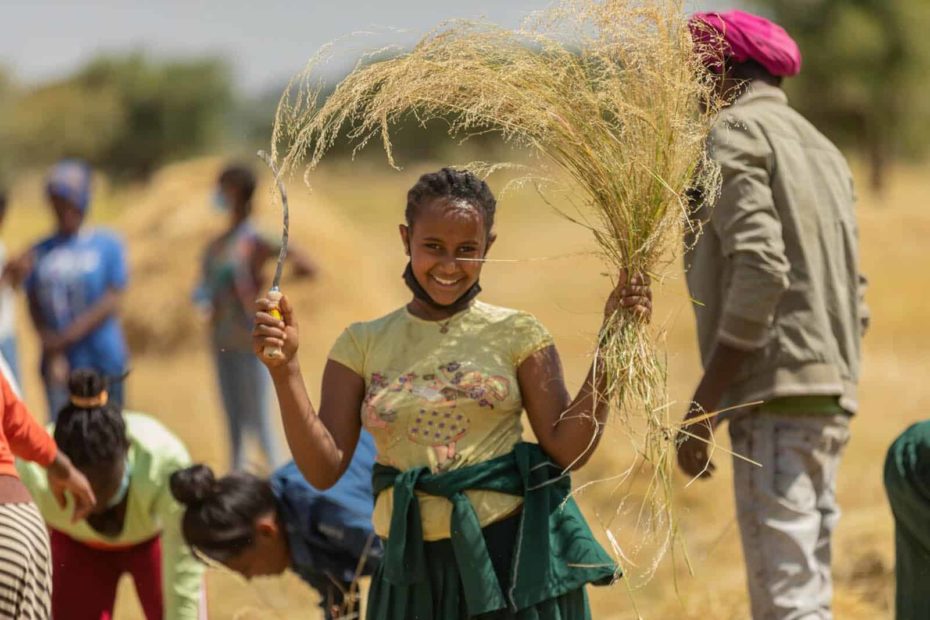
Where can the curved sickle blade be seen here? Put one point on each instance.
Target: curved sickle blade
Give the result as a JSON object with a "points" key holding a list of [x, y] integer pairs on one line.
{"points": [[284, 232]]}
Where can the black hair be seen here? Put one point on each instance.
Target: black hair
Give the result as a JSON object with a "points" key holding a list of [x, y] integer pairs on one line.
{"points": [[240, 177], [219, 520], [90, 435], [2, 202], [751, 70], [451, 183]]}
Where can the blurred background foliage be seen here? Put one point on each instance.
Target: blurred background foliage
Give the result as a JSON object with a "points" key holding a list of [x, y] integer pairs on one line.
{"points": [[862, 83], [127, 115], [863, 79]]}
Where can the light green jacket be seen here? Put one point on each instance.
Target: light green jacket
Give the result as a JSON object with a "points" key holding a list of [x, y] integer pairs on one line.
{"points": [[775, 270], [154, 454]]}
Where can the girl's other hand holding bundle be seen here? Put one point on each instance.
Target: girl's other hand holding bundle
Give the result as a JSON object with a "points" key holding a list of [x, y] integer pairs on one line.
{"points": [[632, 296]]}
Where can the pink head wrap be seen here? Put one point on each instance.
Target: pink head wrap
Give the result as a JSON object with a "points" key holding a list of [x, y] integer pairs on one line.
{"points": [[743, 36]]}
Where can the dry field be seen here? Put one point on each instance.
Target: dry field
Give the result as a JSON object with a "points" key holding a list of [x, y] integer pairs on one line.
{"points": [[349, 225]]}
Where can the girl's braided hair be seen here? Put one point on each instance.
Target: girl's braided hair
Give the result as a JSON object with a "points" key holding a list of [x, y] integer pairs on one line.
{"points": [[93, 434], [454, 184]]}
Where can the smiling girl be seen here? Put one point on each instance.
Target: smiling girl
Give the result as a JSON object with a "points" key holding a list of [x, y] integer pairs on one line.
{"points": [[476, 523]]}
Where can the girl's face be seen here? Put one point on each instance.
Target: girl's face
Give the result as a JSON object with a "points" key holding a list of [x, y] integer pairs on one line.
{"points": [[446, 237], [267, 555]]}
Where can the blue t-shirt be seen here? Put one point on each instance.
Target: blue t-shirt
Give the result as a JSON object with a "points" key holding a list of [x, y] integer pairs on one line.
{"points": [[70, 275], [329, 531]]}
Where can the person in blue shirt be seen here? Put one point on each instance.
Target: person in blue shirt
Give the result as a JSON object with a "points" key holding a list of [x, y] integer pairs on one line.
{"points": [[77, 278], [258, 527]]}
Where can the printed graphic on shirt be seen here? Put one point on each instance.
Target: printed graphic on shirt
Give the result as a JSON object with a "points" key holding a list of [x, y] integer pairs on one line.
{"points": [[70, 276], [439, 422], [63, 274]]}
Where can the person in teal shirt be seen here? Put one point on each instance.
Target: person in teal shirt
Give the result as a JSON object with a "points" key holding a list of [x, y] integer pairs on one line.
{"points": [[232, 276], [128, 458]]}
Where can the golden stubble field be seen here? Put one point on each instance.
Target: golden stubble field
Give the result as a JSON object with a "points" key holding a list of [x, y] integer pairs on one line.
{"points": [[349, 224]]}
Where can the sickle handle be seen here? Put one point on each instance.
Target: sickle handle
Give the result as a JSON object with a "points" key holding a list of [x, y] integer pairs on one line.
{"points": [[274, 296]]}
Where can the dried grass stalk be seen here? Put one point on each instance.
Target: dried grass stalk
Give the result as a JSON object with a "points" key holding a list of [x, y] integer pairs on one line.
{"points": [[606, 93]]}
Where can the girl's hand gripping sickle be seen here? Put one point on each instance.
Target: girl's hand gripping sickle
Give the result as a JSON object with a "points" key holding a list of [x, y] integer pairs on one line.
{"points": [[274, 352]]}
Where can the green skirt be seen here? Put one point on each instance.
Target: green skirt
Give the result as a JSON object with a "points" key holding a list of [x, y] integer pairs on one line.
{"points": [[907, 482], [444, 599]]}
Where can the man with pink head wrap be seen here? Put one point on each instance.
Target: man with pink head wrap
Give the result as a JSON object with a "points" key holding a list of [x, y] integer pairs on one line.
{"points": [[741, 37], [780, 315]]}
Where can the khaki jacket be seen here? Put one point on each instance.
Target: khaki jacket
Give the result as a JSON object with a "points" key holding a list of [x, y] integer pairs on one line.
{"points": [[773, 266]]}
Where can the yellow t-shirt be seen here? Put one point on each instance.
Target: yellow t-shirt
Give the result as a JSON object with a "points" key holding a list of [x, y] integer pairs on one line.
{"points": [[442, 394]]}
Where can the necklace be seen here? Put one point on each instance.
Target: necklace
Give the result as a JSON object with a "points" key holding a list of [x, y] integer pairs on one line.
{"points": [[443, 324]]}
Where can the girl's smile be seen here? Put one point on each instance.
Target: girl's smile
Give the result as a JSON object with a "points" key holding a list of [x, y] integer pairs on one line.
{"points": [[445, 245], [445, 281]]}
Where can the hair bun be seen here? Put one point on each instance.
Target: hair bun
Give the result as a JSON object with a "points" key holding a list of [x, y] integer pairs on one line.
{"points": [[193, 485], [86, 383]]}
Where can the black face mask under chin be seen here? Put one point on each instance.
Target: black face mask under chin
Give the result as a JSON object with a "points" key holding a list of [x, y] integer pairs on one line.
{"points": [[420, 293]]}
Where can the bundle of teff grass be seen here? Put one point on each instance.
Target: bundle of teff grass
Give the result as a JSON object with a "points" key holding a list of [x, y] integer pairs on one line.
{"points": [[609, 92]]}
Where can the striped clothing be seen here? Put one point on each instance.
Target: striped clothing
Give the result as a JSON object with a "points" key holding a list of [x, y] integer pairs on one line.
{"points": [[25, 564]]}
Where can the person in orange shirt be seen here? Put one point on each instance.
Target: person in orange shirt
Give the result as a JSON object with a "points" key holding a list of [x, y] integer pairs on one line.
{"points": [[25, 566]]}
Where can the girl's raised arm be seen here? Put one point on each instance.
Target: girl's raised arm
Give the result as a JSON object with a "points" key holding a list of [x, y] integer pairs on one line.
{"points": [[322, 443], [569, 429]]}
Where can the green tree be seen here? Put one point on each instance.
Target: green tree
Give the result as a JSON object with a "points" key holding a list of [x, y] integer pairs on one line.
{"points": [[64, 119], [863, 73], [172, 109], [125, 114]]}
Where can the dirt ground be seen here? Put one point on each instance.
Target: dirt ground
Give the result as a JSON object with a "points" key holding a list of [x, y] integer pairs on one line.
{"points": [[349, 225]]}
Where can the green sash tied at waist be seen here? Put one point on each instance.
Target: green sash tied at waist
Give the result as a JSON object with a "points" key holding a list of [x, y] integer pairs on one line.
{"points": [[554, 553]]}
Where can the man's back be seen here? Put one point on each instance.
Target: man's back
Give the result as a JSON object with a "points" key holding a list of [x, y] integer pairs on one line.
{"points": [[776, 270], [777, 273]]}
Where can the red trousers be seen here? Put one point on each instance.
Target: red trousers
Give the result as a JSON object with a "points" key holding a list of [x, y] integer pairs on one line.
{"points": [[84, 578]]}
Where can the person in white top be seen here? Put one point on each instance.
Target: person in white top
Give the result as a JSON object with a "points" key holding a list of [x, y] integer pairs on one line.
{"points": [[7, 373], [8, 278]]}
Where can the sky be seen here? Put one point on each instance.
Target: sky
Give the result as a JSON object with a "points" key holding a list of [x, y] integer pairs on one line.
{"points": [[265, 41]]}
